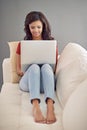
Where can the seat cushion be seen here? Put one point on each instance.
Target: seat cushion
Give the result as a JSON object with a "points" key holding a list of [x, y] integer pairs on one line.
{"points": [[71, 72], [16, 110]]}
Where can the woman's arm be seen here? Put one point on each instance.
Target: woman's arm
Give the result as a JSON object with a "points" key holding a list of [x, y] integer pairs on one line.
{"points": [[19, 72]]}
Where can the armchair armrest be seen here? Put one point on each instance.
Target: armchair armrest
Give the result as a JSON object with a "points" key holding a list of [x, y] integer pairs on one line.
{"points": [[6, 67]]}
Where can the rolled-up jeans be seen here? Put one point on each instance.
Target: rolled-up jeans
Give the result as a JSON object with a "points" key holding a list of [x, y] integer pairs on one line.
{"points": [[38, 79]]}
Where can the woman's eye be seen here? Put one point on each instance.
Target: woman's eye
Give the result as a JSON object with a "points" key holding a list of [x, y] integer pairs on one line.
{"points": [[39, 27], [32, 27], [35, 27]]}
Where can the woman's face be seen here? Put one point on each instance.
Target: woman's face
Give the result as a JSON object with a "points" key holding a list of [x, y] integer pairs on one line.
{"points": [[36, 29]]}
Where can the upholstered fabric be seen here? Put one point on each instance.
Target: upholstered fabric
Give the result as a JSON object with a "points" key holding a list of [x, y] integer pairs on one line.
{"points": [[12, 47], [6, 65], [16, 110], [72, 70], [75, 112]]}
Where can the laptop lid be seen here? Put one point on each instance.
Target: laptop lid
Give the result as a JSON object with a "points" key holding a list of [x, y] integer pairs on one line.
{"points": [[37, 51]]}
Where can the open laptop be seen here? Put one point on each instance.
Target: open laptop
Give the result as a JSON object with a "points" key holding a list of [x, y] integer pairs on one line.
{"points": [[37, 51]]}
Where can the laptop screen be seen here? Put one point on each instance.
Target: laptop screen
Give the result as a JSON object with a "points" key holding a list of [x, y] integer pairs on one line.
{"points": [[37, 51]]}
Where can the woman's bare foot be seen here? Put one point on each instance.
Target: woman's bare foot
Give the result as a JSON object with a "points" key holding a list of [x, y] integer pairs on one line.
{"points": [[38, 117], [50, 112]]}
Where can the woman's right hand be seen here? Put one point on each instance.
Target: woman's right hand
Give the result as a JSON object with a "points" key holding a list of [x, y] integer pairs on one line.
{"points": [[20, 73]]}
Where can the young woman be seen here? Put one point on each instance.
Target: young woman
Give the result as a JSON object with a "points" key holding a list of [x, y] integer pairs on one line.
{"points": [[38, 78]]}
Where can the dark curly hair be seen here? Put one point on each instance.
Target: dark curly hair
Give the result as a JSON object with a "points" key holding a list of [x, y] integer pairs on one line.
{"points": [[34, 16]]}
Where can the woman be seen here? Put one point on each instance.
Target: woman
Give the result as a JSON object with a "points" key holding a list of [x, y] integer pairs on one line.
{"points": [[38, 78]]}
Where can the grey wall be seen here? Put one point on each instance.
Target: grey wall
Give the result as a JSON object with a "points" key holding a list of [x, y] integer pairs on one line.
{"points": [[68, 20]]}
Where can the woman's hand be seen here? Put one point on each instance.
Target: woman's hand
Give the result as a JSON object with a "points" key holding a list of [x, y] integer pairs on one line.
{"points": [[20, 73]]}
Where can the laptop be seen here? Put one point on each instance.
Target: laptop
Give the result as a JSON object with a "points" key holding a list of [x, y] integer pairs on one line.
{"points": [[37, 51]]}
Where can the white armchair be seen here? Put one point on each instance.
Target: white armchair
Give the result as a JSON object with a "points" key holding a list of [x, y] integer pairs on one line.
{"points": [[70, 96]]}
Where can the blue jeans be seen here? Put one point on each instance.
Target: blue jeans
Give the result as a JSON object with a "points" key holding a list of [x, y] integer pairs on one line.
{"points": [[38, 79]]}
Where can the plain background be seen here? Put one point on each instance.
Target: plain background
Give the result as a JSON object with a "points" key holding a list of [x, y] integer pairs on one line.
{"points": [[68, 20]]}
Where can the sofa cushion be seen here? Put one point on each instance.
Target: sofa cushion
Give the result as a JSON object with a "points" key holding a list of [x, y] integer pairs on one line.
{"points": [[16, 110], [72, 70], [74, 115], [12, 46]]}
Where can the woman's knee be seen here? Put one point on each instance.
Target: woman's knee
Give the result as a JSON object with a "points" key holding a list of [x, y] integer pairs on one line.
{"points": [[46, 67], [34, 69]]}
